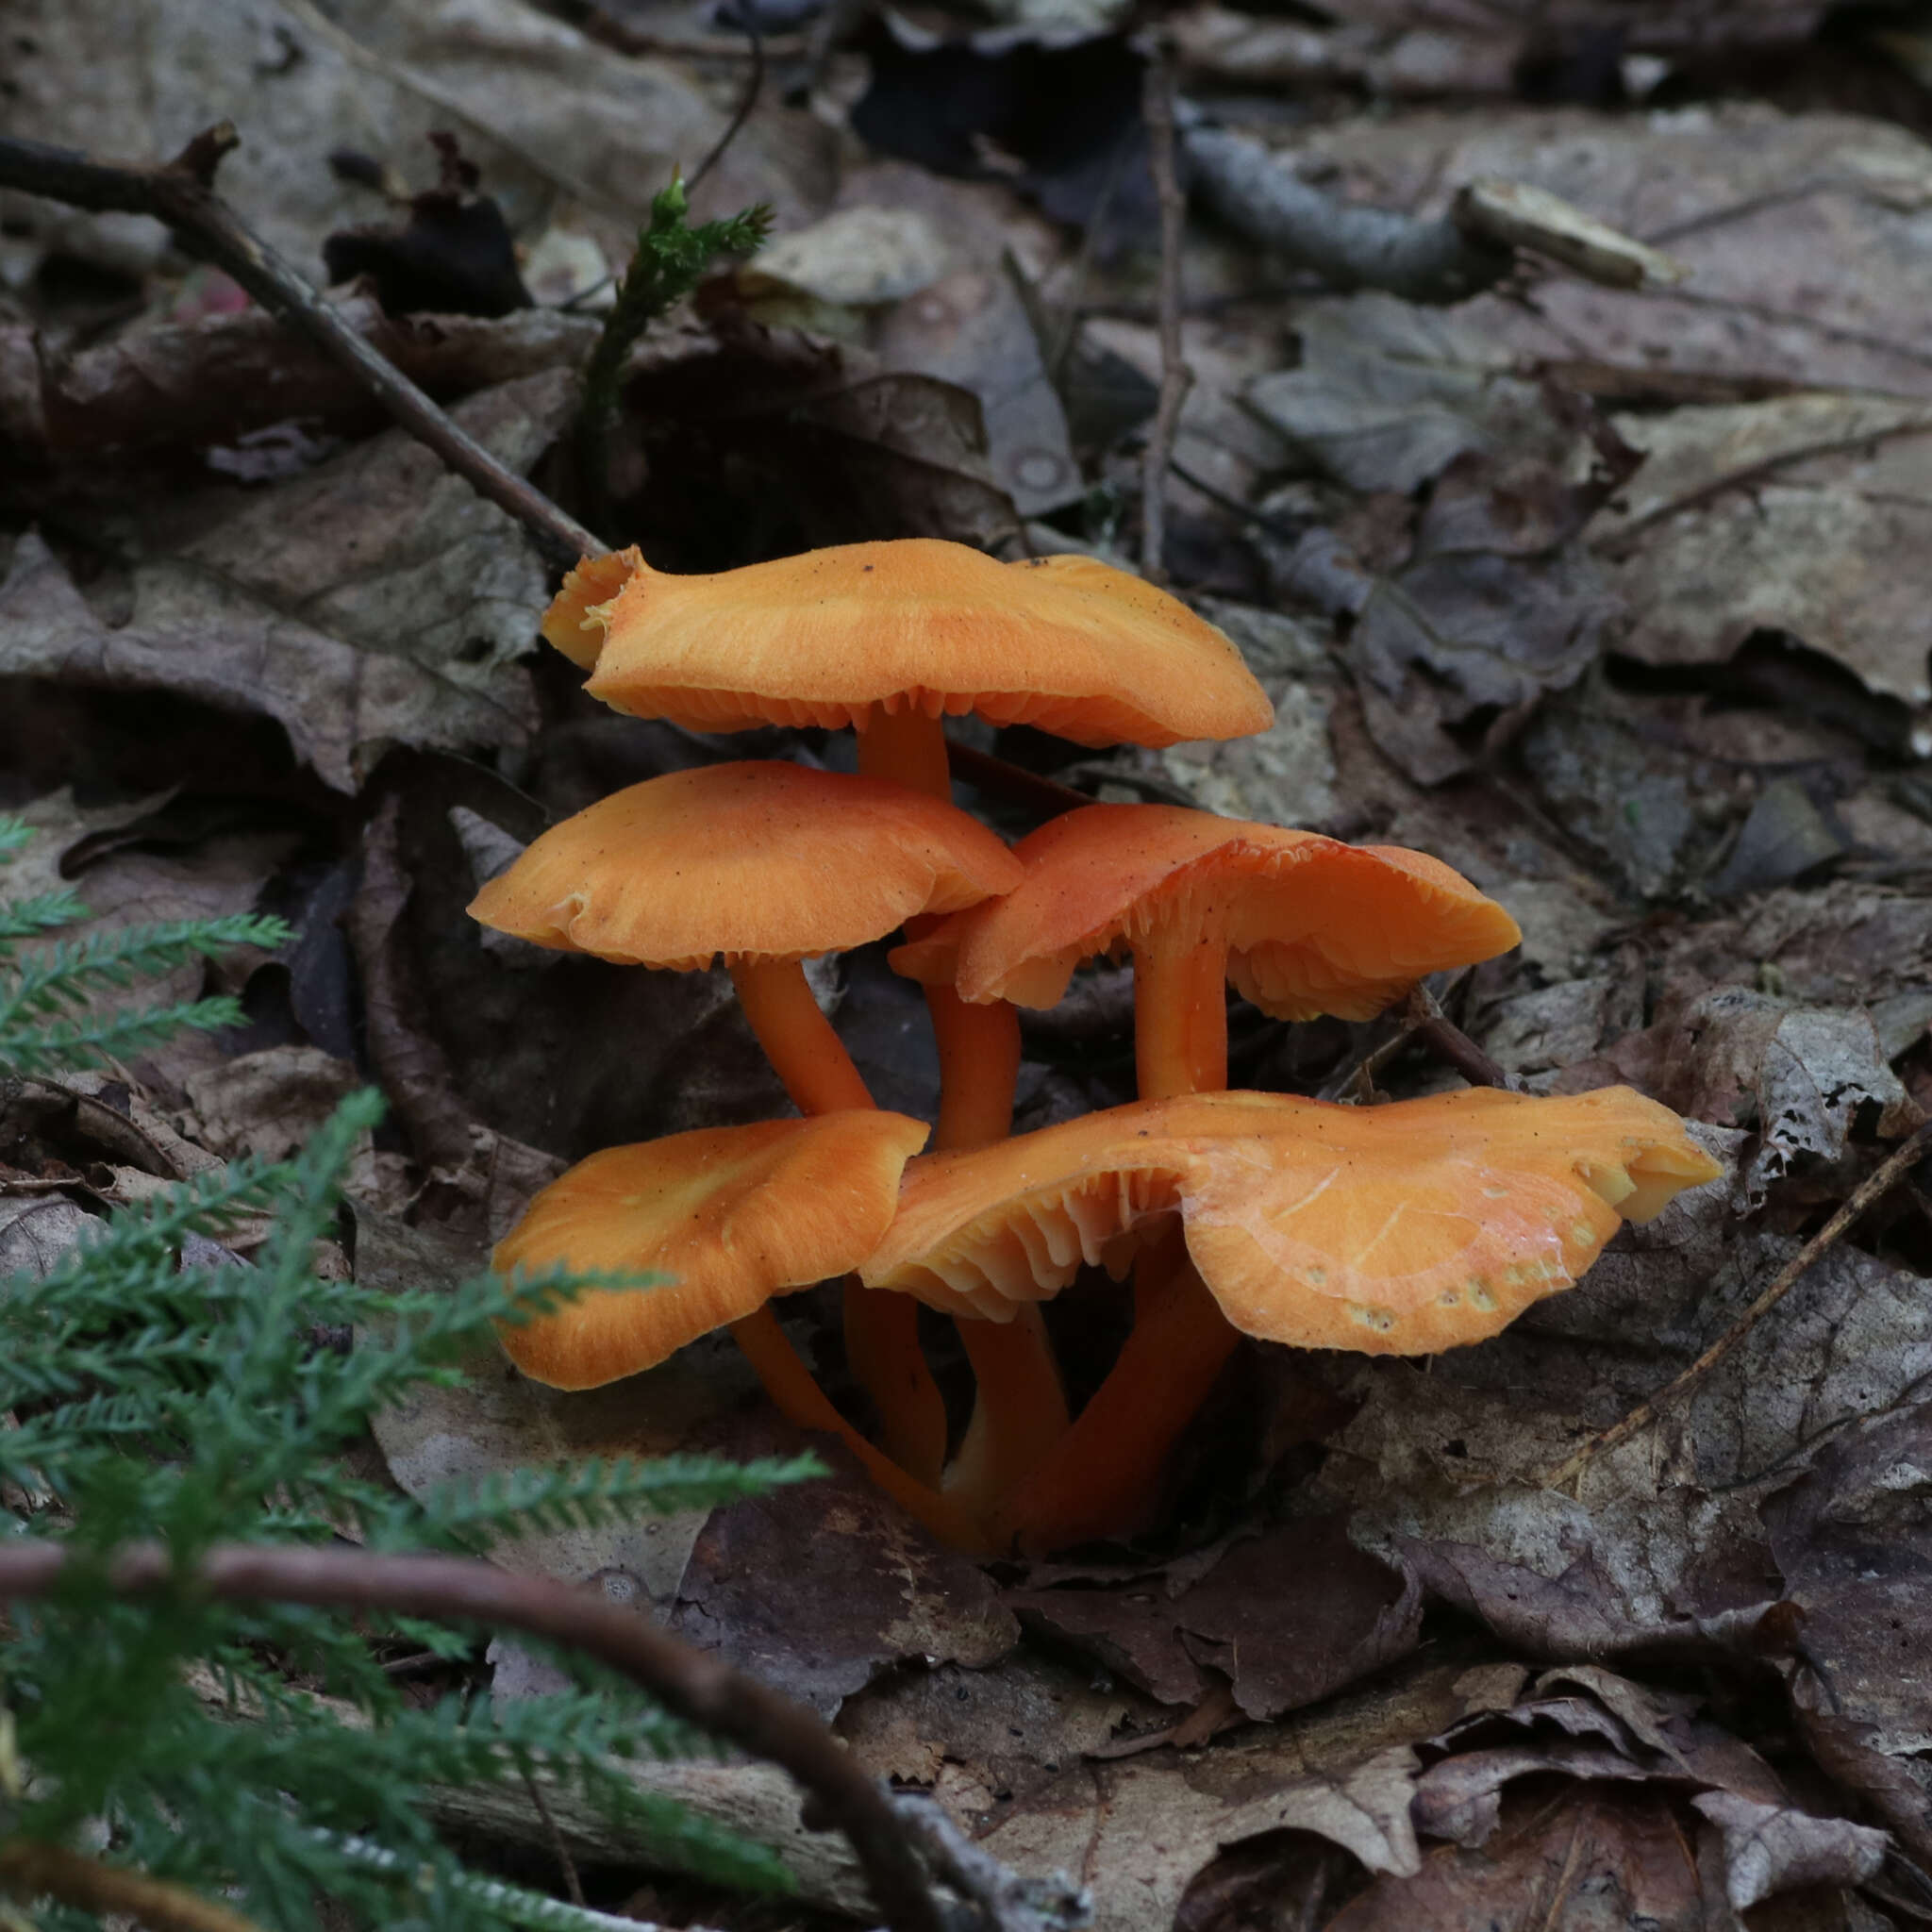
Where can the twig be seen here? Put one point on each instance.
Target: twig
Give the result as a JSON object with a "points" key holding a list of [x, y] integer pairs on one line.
{"points": [[31, 1870], [1257, 191], [702, 1689], [1012, 784], [1875, 1185], [754, 86], [572, 1883], [1448, 1042], [182, 194], [1157, 110], [1007, 1900]]}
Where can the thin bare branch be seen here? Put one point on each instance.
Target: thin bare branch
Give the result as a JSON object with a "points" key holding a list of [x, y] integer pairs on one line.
{"points": [[754, 86], [702, 1689], [1255, 189], [1157, 110], [1874, 1188], [182, 194], [31, 1870]]}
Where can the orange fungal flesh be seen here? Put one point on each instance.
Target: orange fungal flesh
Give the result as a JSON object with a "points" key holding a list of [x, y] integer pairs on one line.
{"points": [[1398, 1229], [1066, 644], [575, 622], [1310, 926], [756, 860], [734, 1214]]}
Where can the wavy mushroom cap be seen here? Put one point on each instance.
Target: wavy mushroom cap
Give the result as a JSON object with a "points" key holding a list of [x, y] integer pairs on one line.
{"points": [[1312, 925], [980, 1232], [733, 1215], [1066, 644], [1391, 1230], [754, 860], [575, 622], [1427, 1224]]}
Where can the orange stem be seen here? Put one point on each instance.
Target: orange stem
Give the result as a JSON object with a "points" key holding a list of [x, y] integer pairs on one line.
{"points": [[1102, 1477], [798, 1397], [1019, 1413], [805, 1051], [881, 1329], [1020, 1410], [980, 1067], [908, 747], [1180, 1015]]}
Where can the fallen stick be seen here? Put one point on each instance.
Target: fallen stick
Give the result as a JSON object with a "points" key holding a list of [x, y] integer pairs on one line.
{"points": [[702, 1689], [181, 194], [1447, 259], [1875, 1185], [1176, 378]]}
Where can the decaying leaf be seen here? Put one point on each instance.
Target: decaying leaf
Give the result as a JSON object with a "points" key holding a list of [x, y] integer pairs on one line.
{"points": [[375, 601]]}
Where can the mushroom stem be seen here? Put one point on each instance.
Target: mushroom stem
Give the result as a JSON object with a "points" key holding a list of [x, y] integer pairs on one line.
{"points": [[798, 1397], [881, 1329], [979, 1067], [1019, 1413], [1103, 1476], [907, 747], [1020, 1410], [805, 1051], [1180, 1013]]}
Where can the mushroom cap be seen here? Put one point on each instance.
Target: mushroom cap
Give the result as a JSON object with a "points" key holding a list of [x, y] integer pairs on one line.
{"points": [[1312, 925], [1389, 1230], [735, 1215], [1421, 1225], [755, 860], [572, 623], [1067, 643]]}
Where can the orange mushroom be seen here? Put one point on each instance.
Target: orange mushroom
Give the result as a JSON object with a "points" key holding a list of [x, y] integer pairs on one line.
{"points": [[889, 638], [1303, 925], [767, 864], [735, 1216], [1399, 1229]]}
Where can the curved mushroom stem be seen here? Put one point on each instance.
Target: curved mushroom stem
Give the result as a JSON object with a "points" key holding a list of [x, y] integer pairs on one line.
{"points": [[1180, 1014], [1103, 1476], [1102, 1479], [881, 1330], [798, 1397], [980, 1067], [1021, 1408], [805, 1051], [1020, 1413]]}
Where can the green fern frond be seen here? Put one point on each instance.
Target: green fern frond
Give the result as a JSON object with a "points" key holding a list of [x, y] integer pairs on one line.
{"points": [[588, 1495], [193, 1403]]}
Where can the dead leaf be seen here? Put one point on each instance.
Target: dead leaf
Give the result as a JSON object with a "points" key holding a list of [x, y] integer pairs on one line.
{"points": [[375, 600], [543, 109], [970, 329], [1598, 1862], [864, 1587], [1799, 514], [1288, 1617], [1772, 1848], [1386, 394], [1793, 230], [212, 877]]}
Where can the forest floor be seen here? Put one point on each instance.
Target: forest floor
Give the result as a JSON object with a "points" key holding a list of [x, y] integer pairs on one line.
{"points": [[1613, 597]]}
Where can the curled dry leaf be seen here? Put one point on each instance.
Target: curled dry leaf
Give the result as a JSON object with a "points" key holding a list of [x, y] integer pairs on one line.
{"points": [[374, 601]]}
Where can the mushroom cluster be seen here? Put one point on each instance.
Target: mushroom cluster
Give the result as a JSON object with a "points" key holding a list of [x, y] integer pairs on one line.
{"points": [[1404, 1228]]}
